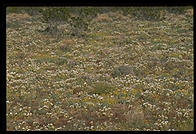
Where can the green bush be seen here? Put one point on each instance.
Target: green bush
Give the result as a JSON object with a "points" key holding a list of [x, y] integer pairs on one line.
{"points": [[29, 10], [61, 61], [177, 10], [14, 10], [143, 13], [150, 13], [188, 125], [55, 14], [102, 88], [77, 18], [122, 70]]}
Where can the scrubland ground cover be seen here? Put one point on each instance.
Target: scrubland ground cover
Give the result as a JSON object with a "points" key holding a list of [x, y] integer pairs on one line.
{"points": [[124, 69]]}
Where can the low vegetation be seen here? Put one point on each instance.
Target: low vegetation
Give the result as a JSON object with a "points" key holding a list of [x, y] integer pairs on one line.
{"points": [[99, 68]]}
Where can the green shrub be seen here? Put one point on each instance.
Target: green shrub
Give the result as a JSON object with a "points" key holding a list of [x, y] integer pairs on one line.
{"points": [[150, 13], [177, 10], [188, 125], [102, 88], [28, 10], [45, 59], [13, 25], [55, 14], [122, 70], [32, 10], [14, 10], [76, 17], [61, 61], [143, 13]]}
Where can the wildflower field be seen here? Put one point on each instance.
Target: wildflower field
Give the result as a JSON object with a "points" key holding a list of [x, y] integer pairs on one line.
{"points": [[99, 69]]}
